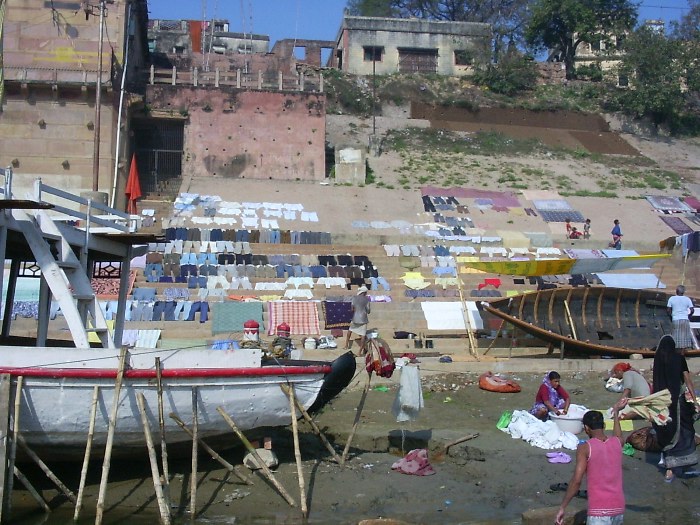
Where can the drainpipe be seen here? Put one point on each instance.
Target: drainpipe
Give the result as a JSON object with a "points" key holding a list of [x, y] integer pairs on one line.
{"points": [[121, 105]]}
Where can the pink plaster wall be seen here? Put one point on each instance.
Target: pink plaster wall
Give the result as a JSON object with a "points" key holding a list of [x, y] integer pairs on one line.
{"points": [[248, 134]]}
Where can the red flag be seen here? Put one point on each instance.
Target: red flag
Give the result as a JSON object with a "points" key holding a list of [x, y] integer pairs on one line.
{"points": [[133, 187]]}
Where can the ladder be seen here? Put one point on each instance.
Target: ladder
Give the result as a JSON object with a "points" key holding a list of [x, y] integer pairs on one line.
{"points": [[65, 276]]}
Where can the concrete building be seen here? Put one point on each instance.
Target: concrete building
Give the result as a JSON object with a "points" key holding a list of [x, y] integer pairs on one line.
{"points": [[605, 54], [367, 45], [185, 37], [49, 122]]}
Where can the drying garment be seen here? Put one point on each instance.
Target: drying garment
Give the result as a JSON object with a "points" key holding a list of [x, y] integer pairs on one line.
{"points": [[415, 463], [653, 408], [409, 398]]}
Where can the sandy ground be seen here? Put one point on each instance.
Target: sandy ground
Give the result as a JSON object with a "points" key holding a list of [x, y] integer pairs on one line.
{"points": [[490, 479]]}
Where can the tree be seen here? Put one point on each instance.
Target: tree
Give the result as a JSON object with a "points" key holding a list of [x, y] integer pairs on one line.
{"points": [[655, 67], [508, 18], [561, 25], [688, 27], [372, 8]]}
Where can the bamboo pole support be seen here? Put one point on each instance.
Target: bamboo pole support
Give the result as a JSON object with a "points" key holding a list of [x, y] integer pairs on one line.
{"points": [[88, 450], [161, 424], [35, 494], [498, 332], [358, 415], [153, 457], [214, 455], [110, 439], [13, 444], [314, 426], [297, 454], [32, 455], [195, 439], [268, 474]]}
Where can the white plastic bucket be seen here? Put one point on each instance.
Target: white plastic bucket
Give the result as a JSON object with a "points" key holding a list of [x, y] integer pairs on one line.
{"points": [[309, 343]]}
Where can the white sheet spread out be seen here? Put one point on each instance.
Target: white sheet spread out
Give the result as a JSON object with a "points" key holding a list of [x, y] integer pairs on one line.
{"points": [[635, 281], [542, 434], [448, 315]]}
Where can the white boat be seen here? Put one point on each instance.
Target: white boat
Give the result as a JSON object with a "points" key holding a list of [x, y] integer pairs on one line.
{"points": [[58, 385], [58, 378]]}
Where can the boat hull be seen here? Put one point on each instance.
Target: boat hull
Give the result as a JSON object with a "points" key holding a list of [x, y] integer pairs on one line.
{"points": [[55, 403], [592, 320]]}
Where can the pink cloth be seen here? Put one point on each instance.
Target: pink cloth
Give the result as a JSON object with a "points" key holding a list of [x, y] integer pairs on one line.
{"points": [[692, 202], [604, 471], [415, 463]]}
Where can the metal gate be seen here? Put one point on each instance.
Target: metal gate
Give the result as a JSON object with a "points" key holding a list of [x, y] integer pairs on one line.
{"points": [[413, 60], [158, 144]]}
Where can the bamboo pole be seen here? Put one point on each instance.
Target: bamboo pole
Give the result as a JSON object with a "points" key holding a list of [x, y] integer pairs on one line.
{"points": [[13, 443], [161, 424], [88, 450], [358, 415], [498, 332], [153, 457], [570, 320], [214, 455], [110, 439], [297, 454], [195, 439], [314, 426], [35, 494], [32, 455], [268, 474]]}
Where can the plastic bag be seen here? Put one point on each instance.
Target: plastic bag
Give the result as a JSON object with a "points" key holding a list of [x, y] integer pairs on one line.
{"points": [[504, 421]]}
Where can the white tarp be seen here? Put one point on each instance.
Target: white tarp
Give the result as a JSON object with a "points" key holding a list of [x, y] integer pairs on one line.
{"points": [[449, 316]]}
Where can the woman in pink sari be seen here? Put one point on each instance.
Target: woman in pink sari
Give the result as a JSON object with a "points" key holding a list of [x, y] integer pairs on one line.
{"points": [[551, 397]]}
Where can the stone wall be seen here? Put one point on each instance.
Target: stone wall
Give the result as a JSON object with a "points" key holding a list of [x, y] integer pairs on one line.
{"points": [[248, 134]]}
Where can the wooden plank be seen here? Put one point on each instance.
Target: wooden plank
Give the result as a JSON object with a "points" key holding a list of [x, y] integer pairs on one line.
{"points": [[600, 307], [5, 381], [583, 305], [617, 308], [536, 306], [550, 308]]}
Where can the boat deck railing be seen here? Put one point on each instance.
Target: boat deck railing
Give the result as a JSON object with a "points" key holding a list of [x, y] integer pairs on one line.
{"points": [[71, 206], [6, 174]]}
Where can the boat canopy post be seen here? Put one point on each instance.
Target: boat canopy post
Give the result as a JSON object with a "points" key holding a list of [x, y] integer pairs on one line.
{"points": [[124, 280], [5, 475], [44, 312], [10, 297]]}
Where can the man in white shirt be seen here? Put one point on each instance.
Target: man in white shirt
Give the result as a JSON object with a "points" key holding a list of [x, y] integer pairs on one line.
{"points": [[679, 307]]}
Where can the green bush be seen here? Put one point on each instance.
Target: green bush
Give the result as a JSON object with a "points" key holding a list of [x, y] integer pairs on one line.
{"points": [[591, 72], [509, 77]]}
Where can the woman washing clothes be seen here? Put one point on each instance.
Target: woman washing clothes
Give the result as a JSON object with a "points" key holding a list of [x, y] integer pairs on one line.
{"points": [[633, 385], [551, 397], [677, 437]]}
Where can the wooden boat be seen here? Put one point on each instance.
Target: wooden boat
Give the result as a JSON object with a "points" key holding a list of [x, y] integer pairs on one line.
{"points": [[616, 322], [60, 378], [58, 386]]}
